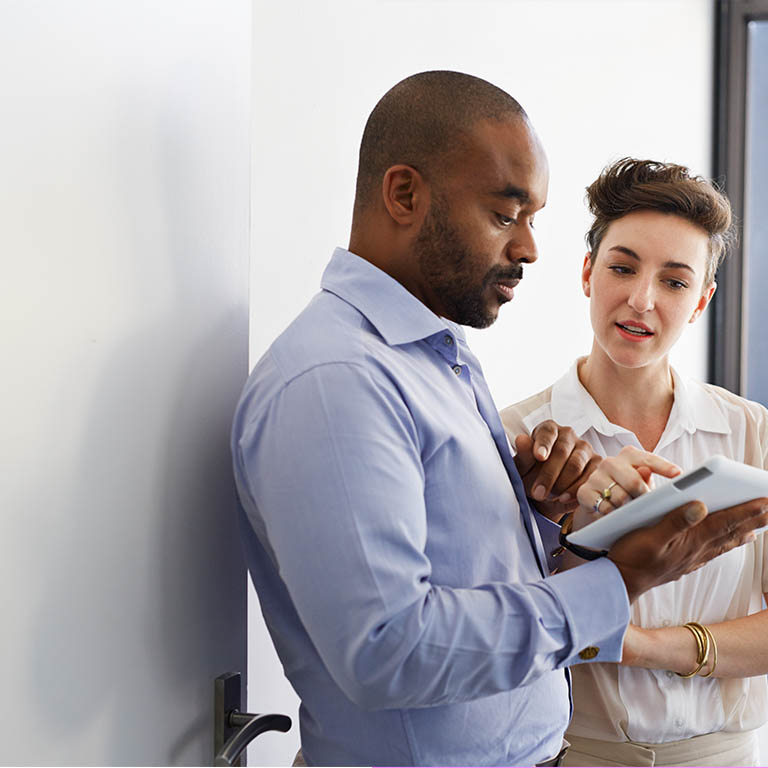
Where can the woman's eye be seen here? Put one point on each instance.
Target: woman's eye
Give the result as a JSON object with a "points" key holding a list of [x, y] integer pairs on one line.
{"points": [[677, 284], [620, 269]]}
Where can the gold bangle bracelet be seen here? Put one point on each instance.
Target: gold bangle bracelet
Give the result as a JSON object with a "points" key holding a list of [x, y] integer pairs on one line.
{"points": [[713, 646], [702, 637]]}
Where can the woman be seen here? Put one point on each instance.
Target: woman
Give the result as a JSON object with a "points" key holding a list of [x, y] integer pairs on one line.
{"points": [[654, 246]]}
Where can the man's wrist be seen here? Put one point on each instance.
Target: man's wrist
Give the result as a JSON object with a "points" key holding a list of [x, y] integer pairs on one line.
{"points": [[585, 553], [634, 583]]}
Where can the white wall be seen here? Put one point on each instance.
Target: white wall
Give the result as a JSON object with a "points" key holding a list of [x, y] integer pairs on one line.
{"points": [[124, 244], [599, 78]]}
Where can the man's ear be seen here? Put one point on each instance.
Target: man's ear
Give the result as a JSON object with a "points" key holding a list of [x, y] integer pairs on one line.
{"points": [[405, 195], [706, 297], [586, 273]]}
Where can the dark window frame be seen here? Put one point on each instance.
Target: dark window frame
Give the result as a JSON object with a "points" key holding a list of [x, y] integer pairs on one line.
{"points": [[726, 358]]}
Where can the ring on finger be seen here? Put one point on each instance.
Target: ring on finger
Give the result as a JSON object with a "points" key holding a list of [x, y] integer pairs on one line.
{"points": [[596, 506], [606, 492]]}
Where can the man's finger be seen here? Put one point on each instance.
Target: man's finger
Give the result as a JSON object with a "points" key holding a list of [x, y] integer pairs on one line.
{"points": [[524, 460], [684, 517], [736, 520], [544, 437], [563, 467], [570, 491]]}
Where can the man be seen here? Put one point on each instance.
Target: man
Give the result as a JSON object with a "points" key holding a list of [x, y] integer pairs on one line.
{"points": [[401, 572]]}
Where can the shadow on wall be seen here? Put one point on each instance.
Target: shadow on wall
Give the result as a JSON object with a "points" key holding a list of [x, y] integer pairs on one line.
{"points": [[146, 529]]}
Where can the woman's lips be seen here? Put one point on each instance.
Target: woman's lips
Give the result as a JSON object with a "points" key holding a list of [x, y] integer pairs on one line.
{"points": [[634, 331]]}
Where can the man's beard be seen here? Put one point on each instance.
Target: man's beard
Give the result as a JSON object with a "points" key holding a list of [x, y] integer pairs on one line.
{"points": [[447, 265]]}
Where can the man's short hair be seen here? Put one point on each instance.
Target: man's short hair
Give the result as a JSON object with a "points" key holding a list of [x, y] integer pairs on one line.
{"points": [[420, 122]]}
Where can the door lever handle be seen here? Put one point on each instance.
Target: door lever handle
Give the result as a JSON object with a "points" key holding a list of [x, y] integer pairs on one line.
{"points": [[247, 728], [233, 729]]}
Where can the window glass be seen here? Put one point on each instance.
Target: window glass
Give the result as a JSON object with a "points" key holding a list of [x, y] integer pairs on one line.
{"points": [[756, 214]]}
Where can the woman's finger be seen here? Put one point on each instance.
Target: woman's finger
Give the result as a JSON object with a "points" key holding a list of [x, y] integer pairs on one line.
{"points": [[640, 458]]}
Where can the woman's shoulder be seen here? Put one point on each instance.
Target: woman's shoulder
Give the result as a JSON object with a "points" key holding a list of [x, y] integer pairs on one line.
{"points": [[753, 410], [749, 417], [517, 417]]}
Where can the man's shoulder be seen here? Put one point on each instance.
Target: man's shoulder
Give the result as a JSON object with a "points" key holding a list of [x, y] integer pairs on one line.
{"points": [[326, 338], [329, 330]]}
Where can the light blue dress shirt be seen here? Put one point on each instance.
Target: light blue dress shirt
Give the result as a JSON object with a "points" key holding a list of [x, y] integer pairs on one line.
{"points": [[398, 565]]}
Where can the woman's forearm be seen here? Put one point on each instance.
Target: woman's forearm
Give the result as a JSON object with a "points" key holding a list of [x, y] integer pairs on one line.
{"points": [[742, 647]]}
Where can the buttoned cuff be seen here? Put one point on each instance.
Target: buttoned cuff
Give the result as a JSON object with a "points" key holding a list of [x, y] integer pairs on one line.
{"points": [[595, 603]]}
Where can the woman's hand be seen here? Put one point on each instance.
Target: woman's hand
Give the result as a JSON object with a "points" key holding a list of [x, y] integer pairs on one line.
{"points": [[617, 480]]}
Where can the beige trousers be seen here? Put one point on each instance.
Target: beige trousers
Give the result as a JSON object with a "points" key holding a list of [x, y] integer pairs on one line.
{"points": [[711, 749]]}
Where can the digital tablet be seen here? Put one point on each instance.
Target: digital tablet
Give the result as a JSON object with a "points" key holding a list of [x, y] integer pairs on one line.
{"points": [[718, 482]]}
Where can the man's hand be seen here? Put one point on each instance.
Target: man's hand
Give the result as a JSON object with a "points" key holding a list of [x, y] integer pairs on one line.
{"points": [[553, 463], [683, 541]]}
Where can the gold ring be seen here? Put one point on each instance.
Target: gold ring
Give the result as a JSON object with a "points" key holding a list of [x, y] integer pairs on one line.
{"points": [[606, 494]]}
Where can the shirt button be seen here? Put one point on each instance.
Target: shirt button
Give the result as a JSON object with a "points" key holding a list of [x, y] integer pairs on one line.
{"points": [[448, 340], [590, 652], [678, 723], [457, 370], [670, 674], [666, 623]]}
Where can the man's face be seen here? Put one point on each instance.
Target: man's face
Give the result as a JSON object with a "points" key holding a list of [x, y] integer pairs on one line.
{"points": [[478, 231]]}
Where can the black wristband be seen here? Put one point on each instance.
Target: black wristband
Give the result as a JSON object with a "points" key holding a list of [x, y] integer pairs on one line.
{"points": [[585, 553]]}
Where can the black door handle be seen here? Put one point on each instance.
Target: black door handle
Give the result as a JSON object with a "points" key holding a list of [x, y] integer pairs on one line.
{"points": [[233, 729]]}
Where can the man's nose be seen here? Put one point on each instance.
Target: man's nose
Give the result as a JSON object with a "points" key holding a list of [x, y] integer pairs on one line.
{"points": [[522, 247], [641, 298]]}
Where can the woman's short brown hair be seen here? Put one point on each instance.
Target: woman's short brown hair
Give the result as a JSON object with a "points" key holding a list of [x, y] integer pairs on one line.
{"points": [[647, 185]]}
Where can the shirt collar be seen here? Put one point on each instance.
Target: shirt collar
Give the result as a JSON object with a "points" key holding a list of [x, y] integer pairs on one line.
{"points": [[396, 313], [573, 406], [693, 409]]}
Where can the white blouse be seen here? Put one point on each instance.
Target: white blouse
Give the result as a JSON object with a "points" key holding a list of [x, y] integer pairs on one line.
{"points": [[614, 702]]}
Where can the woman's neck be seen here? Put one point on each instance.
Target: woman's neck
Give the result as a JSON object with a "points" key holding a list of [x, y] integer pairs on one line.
{"points": [[638, 399]]}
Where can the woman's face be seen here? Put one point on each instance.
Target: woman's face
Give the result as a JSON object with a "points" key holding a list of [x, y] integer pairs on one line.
{"points": [[646, 285]]}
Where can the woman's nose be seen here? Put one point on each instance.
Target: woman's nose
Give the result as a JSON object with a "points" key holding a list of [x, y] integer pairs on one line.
{"points": [[641, 299]]}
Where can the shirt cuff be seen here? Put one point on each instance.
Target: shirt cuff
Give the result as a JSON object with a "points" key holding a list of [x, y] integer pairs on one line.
{"points": [[550, 539], [596, 606]]}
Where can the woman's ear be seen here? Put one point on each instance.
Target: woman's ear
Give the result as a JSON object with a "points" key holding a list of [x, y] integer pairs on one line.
{"points": [[586, 273], [706, 297]]}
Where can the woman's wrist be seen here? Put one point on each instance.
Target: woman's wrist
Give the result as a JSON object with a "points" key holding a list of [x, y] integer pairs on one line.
{"points": [[670, 648]]}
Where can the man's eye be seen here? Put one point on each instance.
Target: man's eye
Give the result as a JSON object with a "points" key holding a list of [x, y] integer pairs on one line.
{"points": [[505, 221]]}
